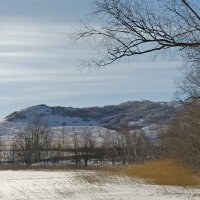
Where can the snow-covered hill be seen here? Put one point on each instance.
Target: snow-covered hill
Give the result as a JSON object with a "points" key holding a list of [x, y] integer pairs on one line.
{"points": [[137, 114], [47, 115]]}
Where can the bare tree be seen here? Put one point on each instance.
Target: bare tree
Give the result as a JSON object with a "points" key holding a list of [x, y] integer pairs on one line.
{"points": [[183, 137], [76, 146], [32, 141], [109, 146], [125, 142], [134, 27], [23, 145], [62, 144], [2, 149], [87, 141], [137, 147], [189, 85]]}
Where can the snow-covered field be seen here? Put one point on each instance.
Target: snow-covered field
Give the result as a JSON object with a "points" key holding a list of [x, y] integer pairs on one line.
{"points": [[51, 185]]}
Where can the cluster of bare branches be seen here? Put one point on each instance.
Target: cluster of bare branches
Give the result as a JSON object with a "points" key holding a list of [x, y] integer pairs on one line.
{"points": [[189, 85], [128, 28], [32, 143]]}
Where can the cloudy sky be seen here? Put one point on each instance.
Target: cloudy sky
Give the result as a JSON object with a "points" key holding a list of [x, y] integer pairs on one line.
{"points": [[40, 65]]}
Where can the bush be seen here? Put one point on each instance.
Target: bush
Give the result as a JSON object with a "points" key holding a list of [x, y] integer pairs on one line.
{"points": [[183, 136]]}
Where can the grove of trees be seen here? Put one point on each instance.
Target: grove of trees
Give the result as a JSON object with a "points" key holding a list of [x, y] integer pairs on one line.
{"points": [[33, 142], [37, 144]]}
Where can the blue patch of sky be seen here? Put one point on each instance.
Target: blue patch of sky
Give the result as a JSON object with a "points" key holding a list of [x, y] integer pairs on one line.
{"points": [[39, 64]]}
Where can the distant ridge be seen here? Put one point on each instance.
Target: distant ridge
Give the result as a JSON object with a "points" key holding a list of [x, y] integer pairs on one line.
{"points": [[137, 114]]}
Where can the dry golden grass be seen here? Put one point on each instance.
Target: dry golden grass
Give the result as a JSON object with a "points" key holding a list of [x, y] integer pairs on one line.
{"points": [[161, 172]]}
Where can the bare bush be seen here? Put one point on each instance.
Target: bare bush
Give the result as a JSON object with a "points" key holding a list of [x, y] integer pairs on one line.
{"points": [[183, 136]]}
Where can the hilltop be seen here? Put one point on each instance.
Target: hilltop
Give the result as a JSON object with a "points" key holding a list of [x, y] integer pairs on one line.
{"points": [[137, 114]]}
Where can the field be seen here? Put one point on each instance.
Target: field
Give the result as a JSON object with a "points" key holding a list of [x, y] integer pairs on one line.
{"points": [[85, 185]]}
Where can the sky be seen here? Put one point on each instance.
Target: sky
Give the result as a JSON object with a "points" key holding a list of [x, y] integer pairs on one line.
{"points": [[39, 63]]}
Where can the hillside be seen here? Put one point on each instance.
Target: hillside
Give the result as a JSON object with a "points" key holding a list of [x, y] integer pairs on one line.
{"points": [[137, 114]]}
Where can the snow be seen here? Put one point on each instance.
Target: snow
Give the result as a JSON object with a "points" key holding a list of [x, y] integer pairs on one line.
{"points": [[56, 117], [10, 127], [51, 185], [47, 116]]}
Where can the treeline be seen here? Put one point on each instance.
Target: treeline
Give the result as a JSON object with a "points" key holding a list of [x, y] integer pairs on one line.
{"points": [[37, 144]]}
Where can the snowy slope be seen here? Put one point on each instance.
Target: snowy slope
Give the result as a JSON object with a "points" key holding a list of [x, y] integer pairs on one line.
{"points": [[47, 115], [17, 120], [137, 114]]}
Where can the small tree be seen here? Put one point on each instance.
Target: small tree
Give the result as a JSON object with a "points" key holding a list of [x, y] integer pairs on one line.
{"points": [[110, 146], [23, 145], [125, 142], [62, 143], [32, 141], [76, 146], [2, 149], [183, 136], [87, 141]]}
